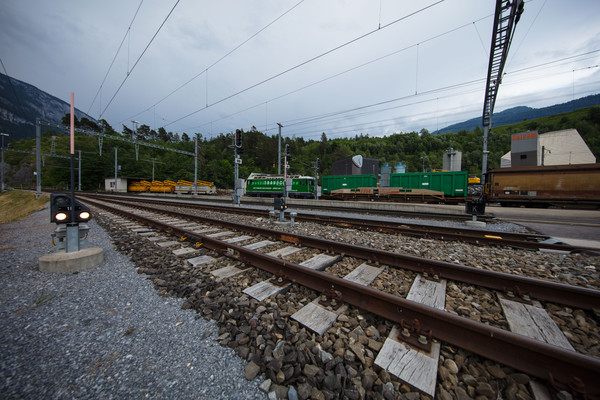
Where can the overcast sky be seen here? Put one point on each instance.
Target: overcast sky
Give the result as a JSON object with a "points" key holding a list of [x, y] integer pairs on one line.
{"points": [[251, 61]]}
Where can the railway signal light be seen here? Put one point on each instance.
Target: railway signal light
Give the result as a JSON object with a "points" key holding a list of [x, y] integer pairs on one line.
{"points": [[60, 210], [318, 165], [238, 138], [287, 150]]}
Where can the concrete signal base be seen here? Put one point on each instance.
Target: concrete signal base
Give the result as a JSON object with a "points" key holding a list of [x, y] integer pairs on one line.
{"points": [[475, 224], [72, 262]]}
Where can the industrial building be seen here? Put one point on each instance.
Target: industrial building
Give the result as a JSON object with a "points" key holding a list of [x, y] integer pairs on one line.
{"points": [[452, 160], [357, 165], [386, 171], [553, 148]]}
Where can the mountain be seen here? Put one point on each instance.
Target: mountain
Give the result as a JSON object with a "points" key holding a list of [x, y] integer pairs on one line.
{"points": [[21, 103], [522, 113]]}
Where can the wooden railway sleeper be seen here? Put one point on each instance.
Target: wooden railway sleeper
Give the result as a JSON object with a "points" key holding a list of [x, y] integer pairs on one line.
{"points": [[543, 290], [534, 357]]}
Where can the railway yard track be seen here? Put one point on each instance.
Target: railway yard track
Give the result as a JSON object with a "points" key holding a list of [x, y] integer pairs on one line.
{"points": [[376, 313], [512, 239], [299, 204]]}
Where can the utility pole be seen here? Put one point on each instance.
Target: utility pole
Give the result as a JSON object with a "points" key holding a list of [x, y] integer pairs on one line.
{"points": [[317, 168], [285, 157], [115, 170], [279, 151], [38, 158], [135, 123], [196, 164], [2, 162]]}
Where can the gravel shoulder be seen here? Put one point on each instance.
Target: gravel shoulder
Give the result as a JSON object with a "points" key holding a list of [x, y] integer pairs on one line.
{"points": [[102, 333]]}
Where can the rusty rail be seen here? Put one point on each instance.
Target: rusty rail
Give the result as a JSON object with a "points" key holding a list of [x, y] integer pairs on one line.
{"points": [[573, 296], [538, 359], [510, 239]]}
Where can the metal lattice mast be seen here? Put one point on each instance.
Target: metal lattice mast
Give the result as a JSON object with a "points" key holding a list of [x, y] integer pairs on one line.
{"points": [[505, 20]]}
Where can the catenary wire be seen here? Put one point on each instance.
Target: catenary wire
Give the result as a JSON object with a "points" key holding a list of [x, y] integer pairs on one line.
{"points": [[116, 54], [140, 57], [219, 60], [305, 62], [322, 117], [342, 72]]}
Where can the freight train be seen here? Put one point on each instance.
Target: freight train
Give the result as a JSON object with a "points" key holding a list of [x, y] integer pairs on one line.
{"points": [[543, 186], [447, 187]]}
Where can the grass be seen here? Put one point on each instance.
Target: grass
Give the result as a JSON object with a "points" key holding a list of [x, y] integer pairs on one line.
{"points": [[43, 299], [16, 204]]}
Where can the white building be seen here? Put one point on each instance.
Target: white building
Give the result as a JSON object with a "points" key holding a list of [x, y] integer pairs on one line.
{"points": [[109, 185], [553, 148]]}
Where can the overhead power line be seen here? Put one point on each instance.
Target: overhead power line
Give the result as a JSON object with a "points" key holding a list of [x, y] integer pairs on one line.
{"points": [[347, 71], [205, 71], [308, 61], [139, 58], [116, 54], [364, 110]]}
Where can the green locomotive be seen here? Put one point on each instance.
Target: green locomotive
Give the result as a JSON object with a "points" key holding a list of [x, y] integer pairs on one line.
{"points": [[267, 185]]}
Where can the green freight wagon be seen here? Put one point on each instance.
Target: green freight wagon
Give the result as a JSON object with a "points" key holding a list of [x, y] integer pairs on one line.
{"points": [[453, 184], [335, 182], [265, 185]]}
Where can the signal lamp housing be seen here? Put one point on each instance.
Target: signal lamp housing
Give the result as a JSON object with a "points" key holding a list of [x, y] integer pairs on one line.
{"points": [[60, 210]]}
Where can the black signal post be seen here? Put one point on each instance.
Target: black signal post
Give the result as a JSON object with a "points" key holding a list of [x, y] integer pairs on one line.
{"points": [[237, 160]]}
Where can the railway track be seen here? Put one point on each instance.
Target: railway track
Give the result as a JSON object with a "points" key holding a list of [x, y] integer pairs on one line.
{"points": [[309, 205], [483, 237], [563, 367]]}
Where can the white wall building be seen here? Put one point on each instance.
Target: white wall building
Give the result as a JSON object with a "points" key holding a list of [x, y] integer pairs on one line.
{"points": [[553, 148], [109, 184]]}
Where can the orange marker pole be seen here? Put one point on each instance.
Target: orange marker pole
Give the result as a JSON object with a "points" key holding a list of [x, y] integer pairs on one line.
{"points": [[72, 123]]}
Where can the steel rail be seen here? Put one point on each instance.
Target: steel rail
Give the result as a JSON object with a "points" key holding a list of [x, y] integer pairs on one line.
{"points": [[526, 241], [560, 293], [509, 239], [538, 359]]}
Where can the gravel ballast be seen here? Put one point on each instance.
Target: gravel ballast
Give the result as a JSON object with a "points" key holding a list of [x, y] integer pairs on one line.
{"points": [[102, 333]]}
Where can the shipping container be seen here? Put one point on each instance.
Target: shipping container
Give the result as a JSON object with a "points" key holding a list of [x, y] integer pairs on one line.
{"points": [[335, 182], [452, 184]]}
